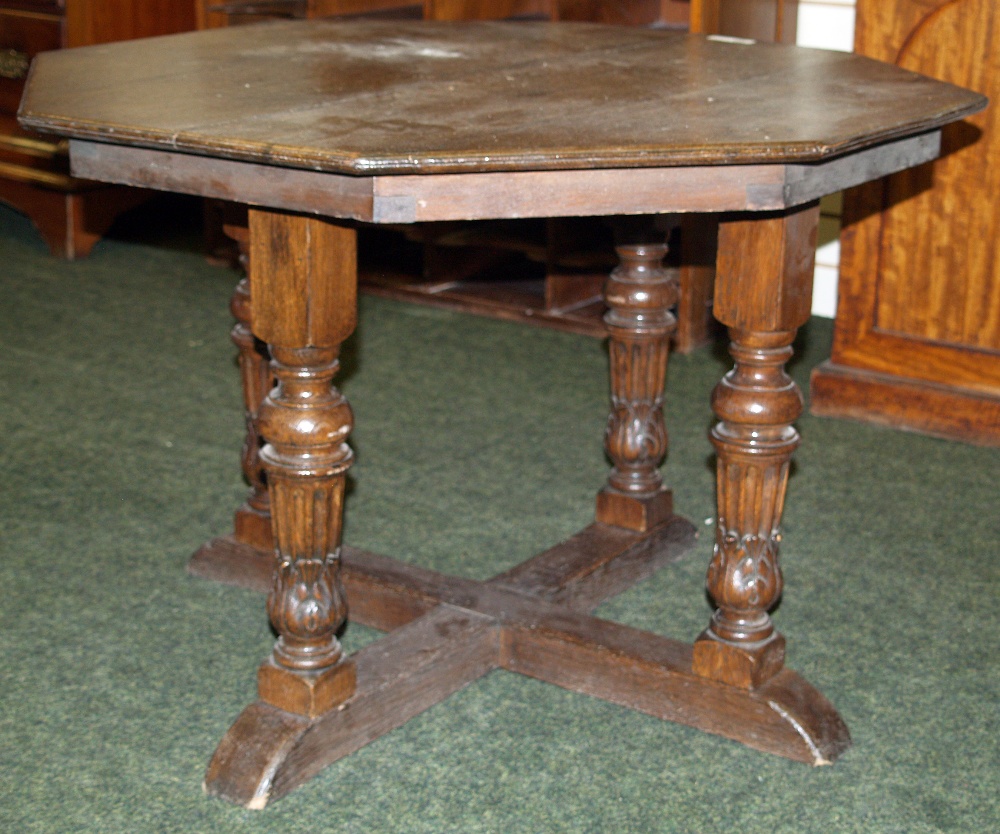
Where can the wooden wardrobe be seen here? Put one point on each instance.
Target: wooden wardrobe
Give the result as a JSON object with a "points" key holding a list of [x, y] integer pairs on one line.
{"points": [[917, 337]]}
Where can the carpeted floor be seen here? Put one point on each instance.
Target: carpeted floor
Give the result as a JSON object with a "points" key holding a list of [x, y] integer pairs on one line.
{"points": [[478, 444]]}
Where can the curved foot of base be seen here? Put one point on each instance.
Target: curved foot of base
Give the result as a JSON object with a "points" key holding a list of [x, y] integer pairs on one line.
{"points": [[812, 729], [268, 752], [251, 754], [785, 716]]}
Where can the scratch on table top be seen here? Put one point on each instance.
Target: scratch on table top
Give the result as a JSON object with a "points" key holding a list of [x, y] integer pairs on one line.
{"points": [[391, 49]]}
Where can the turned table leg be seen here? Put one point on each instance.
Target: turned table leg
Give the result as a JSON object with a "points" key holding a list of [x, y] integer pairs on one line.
{"points": [[253, 518], [639, 294], [316, 706], [303, 282], [763, 295]]}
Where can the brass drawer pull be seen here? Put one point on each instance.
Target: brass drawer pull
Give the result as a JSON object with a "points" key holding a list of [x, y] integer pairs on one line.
{"points": [[13, 64]]}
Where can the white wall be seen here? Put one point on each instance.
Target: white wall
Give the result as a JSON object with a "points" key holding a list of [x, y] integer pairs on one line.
{"points": [[827, 24]]}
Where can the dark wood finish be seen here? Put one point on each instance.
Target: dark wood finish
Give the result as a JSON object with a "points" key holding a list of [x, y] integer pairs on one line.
{"points": [[253, 518], [639, 295], [303, 283], [70, 214], [447, 632], [917, 336], [642, 294], [398, 199], [765, 20], [475, 270], [479, 271], [308, 136], [441, 78], [763, 296]]}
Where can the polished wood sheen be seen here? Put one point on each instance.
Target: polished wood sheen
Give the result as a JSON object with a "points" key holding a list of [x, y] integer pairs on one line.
{"points": [[917, 338], [488, 268], [462, 104], [763, 296], [639, 295], [303, 281], [320, 126]]}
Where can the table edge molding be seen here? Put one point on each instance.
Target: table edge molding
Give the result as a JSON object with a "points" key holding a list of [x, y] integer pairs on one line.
{"points": [[412, 198]]}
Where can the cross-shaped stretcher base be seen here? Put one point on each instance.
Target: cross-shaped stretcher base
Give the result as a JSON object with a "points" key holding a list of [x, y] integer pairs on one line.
{"points": [[446, 632]]}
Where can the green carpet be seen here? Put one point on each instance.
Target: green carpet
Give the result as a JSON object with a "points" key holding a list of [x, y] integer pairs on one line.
{"points": [[478, 444]]}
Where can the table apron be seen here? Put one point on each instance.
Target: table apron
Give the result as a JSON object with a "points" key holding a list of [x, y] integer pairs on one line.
{"points": [[412, 198]]}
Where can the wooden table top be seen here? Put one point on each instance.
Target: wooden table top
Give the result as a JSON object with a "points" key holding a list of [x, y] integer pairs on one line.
{"points": [[379, 98]]}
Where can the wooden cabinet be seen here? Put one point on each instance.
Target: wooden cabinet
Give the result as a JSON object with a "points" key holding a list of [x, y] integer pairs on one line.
{"points": [[917, 338], [763, 20], [71, 214]]}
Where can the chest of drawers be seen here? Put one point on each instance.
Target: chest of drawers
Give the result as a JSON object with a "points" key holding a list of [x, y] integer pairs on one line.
{"points": [[70, 214]]}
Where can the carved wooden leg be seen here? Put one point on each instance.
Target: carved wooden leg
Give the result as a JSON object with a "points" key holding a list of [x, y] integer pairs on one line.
{"points": [[756, 404], [252, 535], [315, 708], [639, 293], [303, 279], [253, 519]]}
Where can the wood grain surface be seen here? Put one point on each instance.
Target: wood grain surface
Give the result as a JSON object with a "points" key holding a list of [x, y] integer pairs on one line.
{"points": [[917, 338], [368, 97]]}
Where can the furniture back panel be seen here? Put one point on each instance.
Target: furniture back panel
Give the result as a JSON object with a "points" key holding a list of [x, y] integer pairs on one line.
{"points": [[925, 286], [919, 285]]}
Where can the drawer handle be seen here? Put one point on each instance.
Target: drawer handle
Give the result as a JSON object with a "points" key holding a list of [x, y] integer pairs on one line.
{"points": [[13, 64]]}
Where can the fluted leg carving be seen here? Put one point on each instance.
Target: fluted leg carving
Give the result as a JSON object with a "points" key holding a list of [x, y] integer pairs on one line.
{"points": [[763, 295], [253, 519], [305, 422], [756, 403], [639, 294]]}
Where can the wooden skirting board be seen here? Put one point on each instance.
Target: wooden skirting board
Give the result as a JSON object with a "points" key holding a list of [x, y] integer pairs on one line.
{"points": [[899, 402]]}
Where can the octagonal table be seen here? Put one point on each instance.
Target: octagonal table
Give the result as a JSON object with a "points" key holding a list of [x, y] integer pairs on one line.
{"points": [[324, 125]]}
